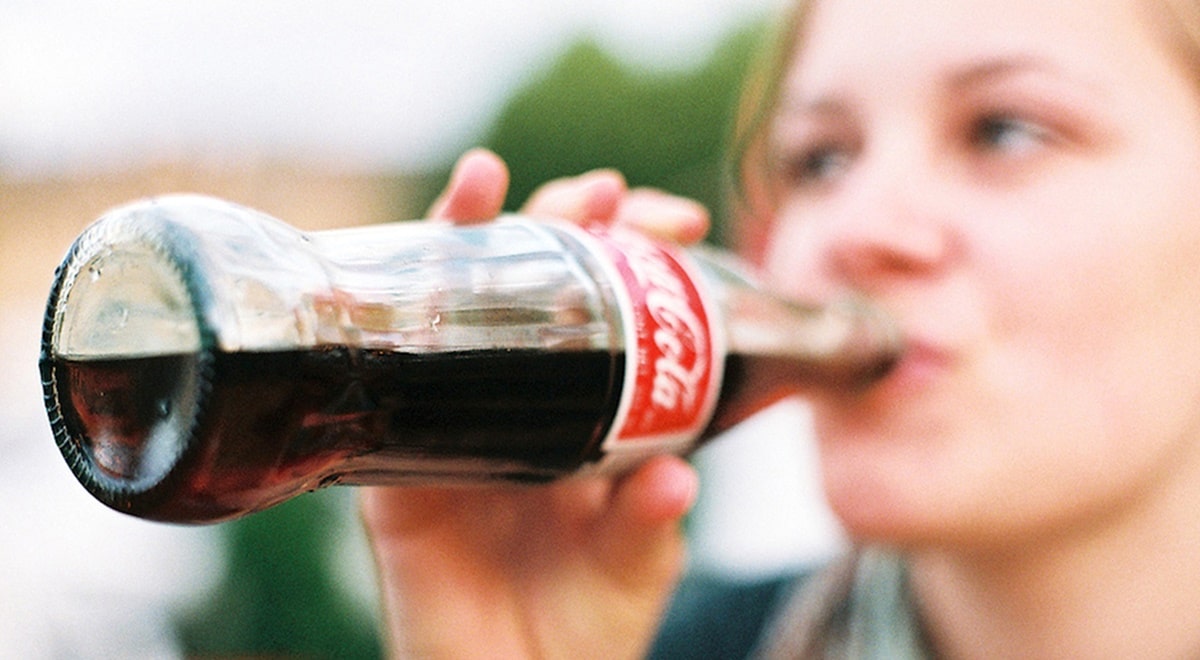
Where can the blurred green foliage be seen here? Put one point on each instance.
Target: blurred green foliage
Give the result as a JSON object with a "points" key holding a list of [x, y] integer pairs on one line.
{"points": [[279, 596], [665, 129]]}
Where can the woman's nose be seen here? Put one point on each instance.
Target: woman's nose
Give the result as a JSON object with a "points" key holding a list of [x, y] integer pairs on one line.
{"points": [[885, 242], [865, 238]]}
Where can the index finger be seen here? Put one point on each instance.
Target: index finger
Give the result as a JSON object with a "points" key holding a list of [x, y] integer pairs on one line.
{"points": [[476, 190]]}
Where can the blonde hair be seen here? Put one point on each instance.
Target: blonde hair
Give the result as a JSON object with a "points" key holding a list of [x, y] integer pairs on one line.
{"points": [[1182, 24], [1187, 20], [749, 162]]}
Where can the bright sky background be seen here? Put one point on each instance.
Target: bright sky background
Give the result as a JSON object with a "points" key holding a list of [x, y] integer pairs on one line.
{"points": [[360, 83]]}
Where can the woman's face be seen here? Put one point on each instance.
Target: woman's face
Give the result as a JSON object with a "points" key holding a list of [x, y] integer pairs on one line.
{"points": [[1018, 183]]}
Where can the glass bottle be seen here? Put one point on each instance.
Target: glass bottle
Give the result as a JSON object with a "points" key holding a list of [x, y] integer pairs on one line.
{"points": [[201, 360]]}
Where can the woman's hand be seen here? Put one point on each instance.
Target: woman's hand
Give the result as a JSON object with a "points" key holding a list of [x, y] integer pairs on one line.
{"points": [[479, 184], [580, 568]]}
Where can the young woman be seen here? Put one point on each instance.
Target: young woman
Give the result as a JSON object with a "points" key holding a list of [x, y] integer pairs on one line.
{"points": [[1018, 183]]}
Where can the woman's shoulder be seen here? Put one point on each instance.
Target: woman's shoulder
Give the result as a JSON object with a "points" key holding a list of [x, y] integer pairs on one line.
{"points": [[715, 617], [856, 605]]}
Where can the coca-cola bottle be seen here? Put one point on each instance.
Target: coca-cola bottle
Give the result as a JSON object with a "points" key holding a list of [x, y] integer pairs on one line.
{"points": [[202, 361]]}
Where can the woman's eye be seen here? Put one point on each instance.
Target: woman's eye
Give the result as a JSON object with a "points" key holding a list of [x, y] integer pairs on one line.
{"points": [[1008, 134], [816, 165]]}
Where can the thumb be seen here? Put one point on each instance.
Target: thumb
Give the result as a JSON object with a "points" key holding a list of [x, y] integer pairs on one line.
{"points": [[641, 539]]}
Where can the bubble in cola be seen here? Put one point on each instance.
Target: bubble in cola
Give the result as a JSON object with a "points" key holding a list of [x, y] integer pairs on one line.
{"points": [[201, 361]]}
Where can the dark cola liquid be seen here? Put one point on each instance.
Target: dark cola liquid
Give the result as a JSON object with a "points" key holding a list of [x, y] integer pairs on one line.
{"points": [[193, 439], [268, 424]]}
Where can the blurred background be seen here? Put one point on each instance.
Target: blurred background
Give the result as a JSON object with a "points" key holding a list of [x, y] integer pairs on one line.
{"points": [[328, 114]]}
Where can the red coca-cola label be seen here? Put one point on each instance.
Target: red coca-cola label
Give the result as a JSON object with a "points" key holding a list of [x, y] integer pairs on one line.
{"points": [[674, 347]]}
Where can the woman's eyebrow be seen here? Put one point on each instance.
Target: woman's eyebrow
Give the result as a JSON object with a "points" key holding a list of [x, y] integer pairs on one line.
{"points": [[798, 105], [990, 69]]}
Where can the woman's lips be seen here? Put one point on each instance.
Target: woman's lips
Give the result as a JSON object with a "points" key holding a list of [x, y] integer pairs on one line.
{"points": [[919, 365]]}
